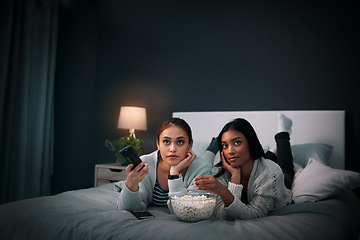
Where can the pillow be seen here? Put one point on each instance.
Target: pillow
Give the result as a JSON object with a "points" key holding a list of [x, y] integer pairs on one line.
{"points": [[318, 181], [303, 152], [200, 147]]}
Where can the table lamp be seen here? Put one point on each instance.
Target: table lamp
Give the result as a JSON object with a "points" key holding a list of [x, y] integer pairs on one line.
{"points": [[132, 118]]}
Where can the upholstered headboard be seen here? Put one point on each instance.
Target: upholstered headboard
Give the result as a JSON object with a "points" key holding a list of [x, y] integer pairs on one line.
{"points": [[326, 127]]}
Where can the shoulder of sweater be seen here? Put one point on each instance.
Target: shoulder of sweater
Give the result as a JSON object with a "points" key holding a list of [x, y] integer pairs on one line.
{"points": [[268, 166], [266, 170], [271, 164], [150, 158], [199, 162]]}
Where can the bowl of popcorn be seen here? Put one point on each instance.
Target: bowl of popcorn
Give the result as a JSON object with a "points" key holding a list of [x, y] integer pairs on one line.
{"points": [[193, 206]]}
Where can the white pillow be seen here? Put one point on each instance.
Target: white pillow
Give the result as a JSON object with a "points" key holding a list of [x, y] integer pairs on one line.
{"points": [[318, 181]]}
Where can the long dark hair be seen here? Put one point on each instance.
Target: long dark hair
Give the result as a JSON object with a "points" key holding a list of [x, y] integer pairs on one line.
{"points": [[181, 123], [243, 126]]}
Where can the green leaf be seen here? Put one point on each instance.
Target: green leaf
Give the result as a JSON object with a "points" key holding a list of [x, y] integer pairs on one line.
{"points": [[118, 144]]}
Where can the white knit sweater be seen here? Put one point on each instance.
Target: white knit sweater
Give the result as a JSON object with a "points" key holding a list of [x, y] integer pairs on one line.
{"points": [[266, 192]]}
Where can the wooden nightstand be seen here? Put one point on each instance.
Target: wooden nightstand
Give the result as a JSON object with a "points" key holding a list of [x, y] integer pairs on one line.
{"points": [[108, 173]]}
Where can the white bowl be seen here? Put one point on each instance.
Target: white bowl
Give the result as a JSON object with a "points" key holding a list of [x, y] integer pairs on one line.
{"points": [[193, 206]]}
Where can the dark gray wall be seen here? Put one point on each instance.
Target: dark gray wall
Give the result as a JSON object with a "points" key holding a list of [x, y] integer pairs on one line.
{"points": [[75, 95], [175, 56]]}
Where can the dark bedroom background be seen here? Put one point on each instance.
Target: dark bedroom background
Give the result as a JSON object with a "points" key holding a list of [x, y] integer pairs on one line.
{"points": [[171, 56]]}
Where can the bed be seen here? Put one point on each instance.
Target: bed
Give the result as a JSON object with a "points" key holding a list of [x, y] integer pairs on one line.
{"points": [[325, 208]]}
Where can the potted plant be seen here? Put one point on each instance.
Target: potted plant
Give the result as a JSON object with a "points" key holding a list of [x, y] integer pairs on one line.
{"points": [[117, 145]]}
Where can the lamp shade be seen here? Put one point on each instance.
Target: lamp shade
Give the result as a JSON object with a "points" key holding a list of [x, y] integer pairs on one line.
{"points": [[132, 118]]}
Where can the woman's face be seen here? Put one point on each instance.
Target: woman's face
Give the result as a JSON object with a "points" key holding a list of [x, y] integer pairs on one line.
{"points": [[236, 148], [173, 144]]}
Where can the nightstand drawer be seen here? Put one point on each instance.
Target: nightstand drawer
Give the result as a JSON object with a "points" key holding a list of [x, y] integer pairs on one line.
{"points": [[111, 174], [108, 173], [102, 182]]}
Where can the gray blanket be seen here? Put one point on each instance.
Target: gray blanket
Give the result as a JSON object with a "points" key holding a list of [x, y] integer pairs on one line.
{"points": [[90, 214]]}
